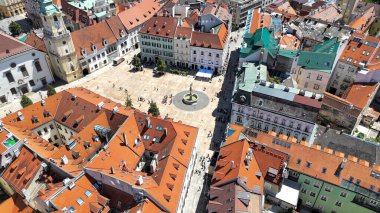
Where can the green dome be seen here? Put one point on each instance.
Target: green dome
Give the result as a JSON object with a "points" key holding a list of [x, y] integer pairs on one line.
{"points": [[47, 7]]}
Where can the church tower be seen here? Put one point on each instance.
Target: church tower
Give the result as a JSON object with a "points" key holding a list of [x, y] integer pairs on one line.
{"points": [[58, 43]]}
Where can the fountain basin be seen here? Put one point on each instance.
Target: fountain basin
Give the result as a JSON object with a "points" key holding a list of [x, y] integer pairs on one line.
{"points": [[190, 99]]}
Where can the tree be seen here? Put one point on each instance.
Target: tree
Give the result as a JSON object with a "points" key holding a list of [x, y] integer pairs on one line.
{"points": [[15, 28], [136, 61], [50, 90], [153, 109], [25, 101], [161, 65], [128, 101], [275, 79]]}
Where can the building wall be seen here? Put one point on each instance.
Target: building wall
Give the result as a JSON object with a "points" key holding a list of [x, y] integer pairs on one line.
{"points": [[182, 55], [94, 61], [311, 80], [9, 8], [365, 76], [240, 10], [156, 46], [207, 58], [134, 36], [60, 48], [317, 194], [342, 78], [49, 131], [347, 6], [27, 81], [265, 120]]}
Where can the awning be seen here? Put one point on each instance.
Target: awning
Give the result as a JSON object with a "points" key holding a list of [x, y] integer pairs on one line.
{"points": [[205, 73]]}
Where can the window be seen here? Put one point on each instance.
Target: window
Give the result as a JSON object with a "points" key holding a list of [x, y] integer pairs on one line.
{"points": [[46, 130], [324, 198], [39, 133], [55, 18], [317, 185], [358, 181], [80, 201], [303, 190], [32, 84], [239, 119], [298, 161], [308, 164], [87, 193], [24, 71], [338, 203], [55, 137], [51, 126], [319, 77], [201, 52], [38, 66], [146, 137], [312, 194], [316, 86], [308, 75], [217, 55], [343, 194], [324, 170], [373, 202], [306, 181], [13, 91], [328, 188], [9, 77], [209, 54], [66, 130]]}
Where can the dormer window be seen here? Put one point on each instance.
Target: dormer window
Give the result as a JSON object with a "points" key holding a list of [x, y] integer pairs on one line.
{"points": [[105, 42], [93, 47], [83, 51], [122, 34], [34, 119]]}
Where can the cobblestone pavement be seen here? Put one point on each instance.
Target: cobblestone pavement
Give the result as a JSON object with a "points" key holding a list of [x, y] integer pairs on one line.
{"points": [[119, 82]]}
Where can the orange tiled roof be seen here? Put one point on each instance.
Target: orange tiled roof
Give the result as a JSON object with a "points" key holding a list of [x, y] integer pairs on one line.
{"points": [[359, 94], [319, 160], [259, 20], [209, 40], [139, 14], [362, 22], [83, 191], [15, 204], [219, 11], [96, 34], [289, 42], [361, 49], [160, 26], [172, 142], [183, 32], [22, 170], [35, 41]]}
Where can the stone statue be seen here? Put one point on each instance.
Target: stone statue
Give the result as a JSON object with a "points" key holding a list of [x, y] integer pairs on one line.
{"points": [[191, 85]]}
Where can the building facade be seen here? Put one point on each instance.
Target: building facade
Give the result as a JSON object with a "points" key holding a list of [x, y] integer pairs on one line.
{"points": [[182, 55], [59, 43], [348, 7], [267, 107], [24, 69], [9, 8]]}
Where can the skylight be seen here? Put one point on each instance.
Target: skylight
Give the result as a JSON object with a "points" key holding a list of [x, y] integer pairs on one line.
{"points": [[87, 193], [80, 201]]}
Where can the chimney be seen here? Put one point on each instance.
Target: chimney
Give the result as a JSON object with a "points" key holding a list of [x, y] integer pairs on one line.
{"points": [[147, 122], [115, 110], [112, 170], [140, 180], [153, 165], [43, 103], [73, 97], [232, 165], [343, 163], [125, 139], [20, 116]]}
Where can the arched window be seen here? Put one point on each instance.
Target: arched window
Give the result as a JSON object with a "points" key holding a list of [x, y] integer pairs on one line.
{"points": [[38, 66]]}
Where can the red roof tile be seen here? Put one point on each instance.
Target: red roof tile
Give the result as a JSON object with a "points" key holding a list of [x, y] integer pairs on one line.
{"points": [[160, 26], [11, 46]]}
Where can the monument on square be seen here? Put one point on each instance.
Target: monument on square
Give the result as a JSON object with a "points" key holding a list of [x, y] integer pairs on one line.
{"points": [[190, 98]]}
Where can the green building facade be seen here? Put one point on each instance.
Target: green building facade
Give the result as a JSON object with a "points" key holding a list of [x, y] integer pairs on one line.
{"points": [[325, 197]]}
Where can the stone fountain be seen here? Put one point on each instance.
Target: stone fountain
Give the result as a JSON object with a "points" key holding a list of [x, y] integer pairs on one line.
{"points": [[190, 98]]}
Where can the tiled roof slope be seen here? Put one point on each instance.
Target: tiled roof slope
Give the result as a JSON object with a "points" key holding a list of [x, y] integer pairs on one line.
{"points": [[92, 35], [321, 159], [15, 204], [361, 48], [21, 171], [210, 40], [173, 143], [362, 22], [160, 26], [35, 41], [321, 57], [139, 14], [82, 191], [359, 94], [259, 20], [11, 46]]}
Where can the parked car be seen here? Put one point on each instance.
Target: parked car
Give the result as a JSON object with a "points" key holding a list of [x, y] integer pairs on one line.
{"points": [[117, 61]]}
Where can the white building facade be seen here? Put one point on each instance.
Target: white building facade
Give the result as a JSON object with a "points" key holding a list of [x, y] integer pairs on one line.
{"points": [[22, 73]]}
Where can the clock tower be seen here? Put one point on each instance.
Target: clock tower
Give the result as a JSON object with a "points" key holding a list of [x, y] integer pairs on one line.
{"points": [[58, 43]]}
